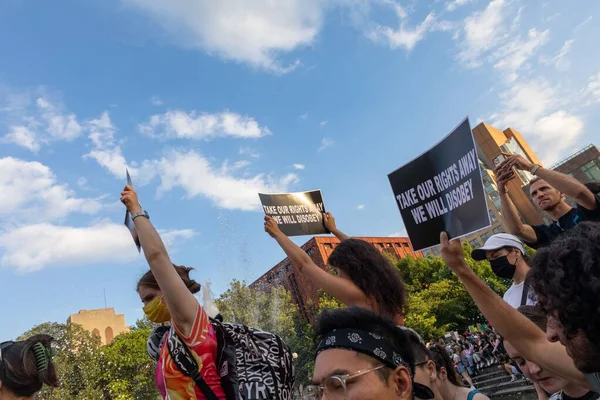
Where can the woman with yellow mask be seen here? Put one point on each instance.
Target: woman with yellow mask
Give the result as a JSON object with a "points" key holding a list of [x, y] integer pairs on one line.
{"points": [[168, 296]]}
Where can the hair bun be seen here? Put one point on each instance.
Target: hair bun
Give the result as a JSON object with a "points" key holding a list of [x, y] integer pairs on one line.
{"points": [[194, 286]]}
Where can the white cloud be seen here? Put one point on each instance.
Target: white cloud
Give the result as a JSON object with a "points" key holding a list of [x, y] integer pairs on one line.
{"points": [[23, 136], [48, 244], [105, 150], [323, 123], [560, 60], [298, 166], [33, 124], [360, 207], [593, 88], [454, 4], [303, 117], [325, 143], [401, 233], [402, 37], [254, 32], [249, 152], [482, 31], [54, 245], [59, 126], [194, 174], [171, 236], [515, 53], [537, 110], [179, 124], [29, 191], [156, 101]]}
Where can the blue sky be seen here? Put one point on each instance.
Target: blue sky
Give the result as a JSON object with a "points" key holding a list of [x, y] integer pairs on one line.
{"points": [[208, 103]]}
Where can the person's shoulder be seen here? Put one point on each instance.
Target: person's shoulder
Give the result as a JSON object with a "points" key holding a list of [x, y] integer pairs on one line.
{"points": [[590, 214], [480, 396]]}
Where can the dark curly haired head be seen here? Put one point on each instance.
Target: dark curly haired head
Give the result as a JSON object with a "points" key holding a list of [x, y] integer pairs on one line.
{"points": [[566, 278], [373, 273]]}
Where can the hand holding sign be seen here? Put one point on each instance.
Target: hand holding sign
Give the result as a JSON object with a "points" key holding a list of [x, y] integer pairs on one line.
{"points": [[271, 227], [130, 200], [452, 253]]}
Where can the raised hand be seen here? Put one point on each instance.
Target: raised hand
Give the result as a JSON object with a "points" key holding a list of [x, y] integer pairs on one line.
{"points": [[329, 221], [517, 161], [271, 227], [130, 200], [452, 253]]}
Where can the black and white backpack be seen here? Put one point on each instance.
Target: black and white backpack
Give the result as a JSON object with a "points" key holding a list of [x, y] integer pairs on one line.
{"points": [[252, 364]]}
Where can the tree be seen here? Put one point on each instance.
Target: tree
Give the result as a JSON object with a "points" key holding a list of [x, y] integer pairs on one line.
{"points": [[127, 370], [437, 301]]}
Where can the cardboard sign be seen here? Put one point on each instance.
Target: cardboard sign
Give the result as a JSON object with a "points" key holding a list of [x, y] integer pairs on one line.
{"points": [[442, 190], [296, 214], [129, 222]]}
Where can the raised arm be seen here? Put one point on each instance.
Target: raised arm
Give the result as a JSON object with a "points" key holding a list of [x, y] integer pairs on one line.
{"points": [[520, 332], [180, 301], [511, 216], [561, 182], [329, 221], [340, 288]]}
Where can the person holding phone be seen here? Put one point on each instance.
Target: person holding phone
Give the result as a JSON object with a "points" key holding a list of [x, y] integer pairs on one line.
{"points": [[547, 192]]}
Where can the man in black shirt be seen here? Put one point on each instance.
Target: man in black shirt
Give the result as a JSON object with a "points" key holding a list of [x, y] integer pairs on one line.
{"points": [[547, 192]]}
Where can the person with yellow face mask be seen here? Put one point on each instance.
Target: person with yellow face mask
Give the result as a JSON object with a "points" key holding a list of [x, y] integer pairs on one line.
{"points": [[168, 296]]}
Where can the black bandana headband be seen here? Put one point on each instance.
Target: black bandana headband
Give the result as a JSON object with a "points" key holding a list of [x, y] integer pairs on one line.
{"points": [[366, 343], [373, 345]]}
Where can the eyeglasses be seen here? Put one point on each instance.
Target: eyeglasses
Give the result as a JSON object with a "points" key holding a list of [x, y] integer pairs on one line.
{"points": [[334, 387]]}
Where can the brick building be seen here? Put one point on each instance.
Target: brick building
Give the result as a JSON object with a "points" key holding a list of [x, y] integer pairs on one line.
{"points": [[583, 165], [304, 292]]}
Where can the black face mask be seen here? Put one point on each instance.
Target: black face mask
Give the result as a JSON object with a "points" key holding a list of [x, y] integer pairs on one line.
{"points": [[503, 268]]}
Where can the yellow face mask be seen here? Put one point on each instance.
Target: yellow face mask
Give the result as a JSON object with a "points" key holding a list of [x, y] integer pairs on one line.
{"points": [[157, 311]]}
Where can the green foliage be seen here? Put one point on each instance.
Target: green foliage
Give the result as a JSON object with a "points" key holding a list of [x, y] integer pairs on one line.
{"points": [[127, 371], [438, 302]]}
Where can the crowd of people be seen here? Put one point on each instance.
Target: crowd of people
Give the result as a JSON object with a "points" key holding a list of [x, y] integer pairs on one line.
{"points": [[545, 329]]}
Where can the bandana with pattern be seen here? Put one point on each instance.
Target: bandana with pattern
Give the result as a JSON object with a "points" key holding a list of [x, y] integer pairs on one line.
{"points": [[373, 345]]}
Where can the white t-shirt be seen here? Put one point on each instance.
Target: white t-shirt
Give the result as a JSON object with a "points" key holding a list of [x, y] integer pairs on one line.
{"points": [[514, 294]]}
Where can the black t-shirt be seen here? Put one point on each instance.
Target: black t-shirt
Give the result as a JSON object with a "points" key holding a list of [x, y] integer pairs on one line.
{"points": [[547, 233], [563, 396]]}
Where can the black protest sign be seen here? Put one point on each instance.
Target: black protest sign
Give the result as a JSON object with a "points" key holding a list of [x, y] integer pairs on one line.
{"points": [[129, 222], [442, 190], [296, 214]]}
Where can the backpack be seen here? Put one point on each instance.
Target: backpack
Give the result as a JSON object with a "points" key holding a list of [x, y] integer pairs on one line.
{"points": [[252, 364]]}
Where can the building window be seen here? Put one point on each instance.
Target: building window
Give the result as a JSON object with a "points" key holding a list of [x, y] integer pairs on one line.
{"points": [[591, 170], [405, 245], [474, 243], [388, 245], [328, 246], [109, 335], [310, 251], [493, 218], [498, 229]]}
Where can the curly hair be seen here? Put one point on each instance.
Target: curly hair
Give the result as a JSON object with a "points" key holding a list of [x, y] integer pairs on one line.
{"points": [[566, 279], [373, 273]]}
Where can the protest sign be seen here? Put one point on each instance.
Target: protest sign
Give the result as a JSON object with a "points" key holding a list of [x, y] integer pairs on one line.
{"points": [[129, 222], [296, 213], [442, 190]]}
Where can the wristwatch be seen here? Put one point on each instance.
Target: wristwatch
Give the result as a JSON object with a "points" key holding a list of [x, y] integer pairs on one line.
{"points": [[534, 168], [141, 213]]}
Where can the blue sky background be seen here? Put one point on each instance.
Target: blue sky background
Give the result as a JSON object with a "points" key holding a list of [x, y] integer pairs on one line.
{"points": [[208, 103]]}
